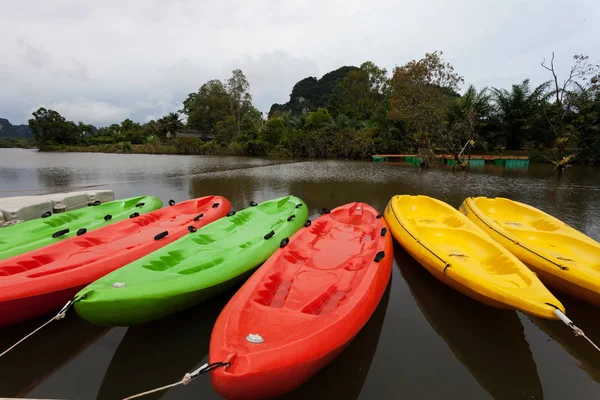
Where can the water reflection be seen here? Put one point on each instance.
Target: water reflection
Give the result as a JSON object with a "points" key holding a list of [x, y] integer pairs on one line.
{"points": [[489, 342], [585, 316], [345, 376], [161, 352], [28, 365]]}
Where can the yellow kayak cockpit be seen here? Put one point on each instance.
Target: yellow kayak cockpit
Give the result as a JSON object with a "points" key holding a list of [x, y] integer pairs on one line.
{"points": [[461, 255], [562, 257]]}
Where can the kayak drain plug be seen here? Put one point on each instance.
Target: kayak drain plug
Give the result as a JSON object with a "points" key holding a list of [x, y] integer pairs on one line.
{"points": [[255, 338]]}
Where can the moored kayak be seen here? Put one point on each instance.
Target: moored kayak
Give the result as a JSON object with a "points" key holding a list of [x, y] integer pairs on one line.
{"points": [[43, 280], [303, 306], [30, 235], [562, 257], [458, 253], [194, 267]]}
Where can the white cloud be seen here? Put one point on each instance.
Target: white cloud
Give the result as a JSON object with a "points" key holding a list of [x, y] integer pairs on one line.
{"points": [[142, 57], [93, 112]]}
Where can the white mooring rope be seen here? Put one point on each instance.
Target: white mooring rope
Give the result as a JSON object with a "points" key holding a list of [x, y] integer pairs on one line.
{"points": [[577, 331], [61, 314], [187, 378]]}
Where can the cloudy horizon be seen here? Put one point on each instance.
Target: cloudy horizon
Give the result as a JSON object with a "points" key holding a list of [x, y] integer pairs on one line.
{"points": [[102, 62]]}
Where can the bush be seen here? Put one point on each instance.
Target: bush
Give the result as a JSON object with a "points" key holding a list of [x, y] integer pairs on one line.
{"points": [[188, 145], [124, 146]]}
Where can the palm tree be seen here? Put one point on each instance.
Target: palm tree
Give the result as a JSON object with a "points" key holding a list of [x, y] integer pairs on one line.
{"points": [[169, 125], [520, 112]]}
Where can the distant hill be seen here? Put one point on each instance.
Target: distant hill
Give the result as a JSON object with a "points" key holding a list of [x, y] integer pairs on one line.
{"points": [[14, 131], [311, 93]]}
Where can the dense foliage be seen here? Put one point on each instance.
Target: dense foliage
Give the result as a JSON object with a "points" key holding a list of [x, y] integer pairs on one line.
{"points": [[355, 112]]}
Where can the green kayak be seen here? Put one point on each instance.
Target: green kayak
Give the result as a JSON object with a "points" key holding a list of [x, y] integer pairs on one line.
{"points": [[30, 235], [193, 268]]}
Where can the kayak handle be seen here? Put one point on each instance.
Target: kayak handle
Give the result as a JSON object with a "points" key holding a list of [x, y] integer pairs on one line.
{"points": [[269, 235], [230, 213], [383, 231], [140, 204], [96, 203], [197, 217], [135, 214], [379, 215], [291, 217], [107, 217], [307, 223], [379, 256], [192, 228], [171, 202], [60, 233], [253, 204], [284, 242], [81, 231], [298, 205], [46, 214], [215, 205], [325, 211], [161, 235]]}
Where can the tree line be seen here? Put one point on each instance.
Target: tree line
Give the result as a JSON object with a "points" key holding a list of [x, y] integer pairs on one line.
{"points": [[354, 112]]}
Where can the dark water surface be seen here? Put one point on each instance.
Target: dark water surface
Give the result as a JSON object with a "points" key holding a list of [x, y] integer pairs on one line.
{"points": [[425, 341]]}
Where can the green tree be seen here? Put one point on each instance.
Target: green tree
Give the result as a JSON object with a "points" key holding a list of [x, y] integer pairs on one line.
{"points": [[362, 93], [204, 109], [169, 125], [49, 128], [520, 113], [422, 97]]}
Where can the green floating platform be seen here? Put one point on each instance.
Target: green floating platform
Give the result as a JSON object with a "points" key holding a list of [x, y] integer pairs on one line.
{"points": [[413, 160], [379, 159]]}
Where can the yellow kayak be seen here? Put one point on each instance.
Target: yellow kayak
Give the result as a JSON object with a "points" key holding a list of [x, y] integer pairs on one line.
{"points": [[458, 253], [561, 256]]}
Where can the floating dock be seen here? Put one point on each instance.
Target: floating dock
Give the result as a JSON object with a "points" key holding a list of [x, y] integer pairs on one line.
{"points": [[474, 160]]}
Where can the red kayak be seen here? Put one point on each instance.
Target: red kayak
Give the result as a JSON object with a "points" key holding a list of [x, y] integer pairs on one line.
{"points": [[303, 306], [43, 280]]}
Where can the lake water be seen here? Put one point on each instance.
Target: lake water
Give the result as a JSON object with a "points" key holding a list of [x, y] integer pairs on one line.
{"points": [[425, 341]]}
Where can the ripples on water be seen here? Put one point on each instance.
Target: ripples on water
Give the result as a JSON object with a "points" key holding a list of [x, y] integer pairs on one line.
{"points": [[425, 341]]}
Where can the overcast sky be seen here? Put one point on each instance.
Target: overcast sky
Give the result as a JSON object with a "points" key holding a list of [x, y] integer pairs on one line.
{"points": [[103, 61]]}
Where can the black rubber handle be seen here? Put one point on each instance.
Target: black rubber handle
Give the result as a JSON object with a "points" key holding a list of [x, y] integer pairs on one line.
{"points": [[135, 214], [46, 214], [307, 223], [379, 215], [253, 204], [161, 235], [379, 256], [171, 202], [192, 229], [140, 204], [230, 213], [215, 205], [81, 231], [284, 242], [298, 205], [270, 235], [197, 217], [97, 203], [325, 211], [291, 217], [383, 231], [60, 233], [107, 217]]}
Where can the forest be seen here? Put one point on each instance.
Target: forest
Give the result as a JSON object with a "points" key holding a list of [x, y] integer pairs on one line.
{"points": [[419, 108]]}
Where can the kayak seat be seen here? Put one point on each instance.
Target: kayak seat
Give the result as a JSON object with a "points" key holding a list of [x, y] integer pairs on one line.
{"points": [[165, 262], [27, 265], [202, 267], [544, 224]]}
